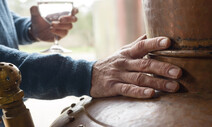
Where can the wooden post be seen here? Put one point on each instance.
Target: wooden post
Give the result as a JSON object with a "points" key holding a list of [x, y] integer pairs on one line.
{"points": [[15, 113]]}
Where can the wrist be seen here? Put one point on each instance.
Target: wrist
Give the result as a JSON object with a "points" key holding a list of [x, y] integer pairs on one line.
{"points": [[30, 34]]}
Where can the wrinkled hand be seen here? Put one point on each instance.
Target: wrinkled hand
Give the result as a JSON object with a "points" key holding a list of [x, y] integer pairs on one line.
{"points": [[43, 31], [125, 72]]}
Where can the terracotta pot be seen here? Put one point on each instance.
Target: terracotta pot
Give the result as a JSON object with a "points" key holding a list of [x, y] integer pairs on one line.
{"points": [[189, 25]]}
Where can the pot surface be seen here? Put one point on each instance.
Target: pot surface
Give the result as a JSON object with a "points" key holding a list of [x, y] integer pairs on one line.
{"points": [[186, 22], [166, 110]]}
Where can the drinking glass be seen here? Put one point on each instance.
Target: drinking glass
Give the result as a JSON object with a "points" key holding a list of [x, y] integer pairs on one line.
{"points": [[51, 11]]}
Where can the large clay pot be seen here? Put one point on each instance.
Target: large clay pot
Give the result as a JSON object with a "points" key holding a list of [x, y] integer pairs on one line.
{"points": [[189, 25]]}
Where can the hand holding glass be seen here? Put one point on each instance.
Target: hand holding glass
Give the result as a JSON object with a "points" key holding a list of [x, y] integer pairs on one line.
{"points": [[51, 11]]}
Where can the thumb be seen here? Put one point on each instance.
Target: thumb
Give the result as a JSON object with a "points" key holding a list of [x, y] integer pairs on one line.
{"points": [[39, 25], [36, 18], [35, 11]]}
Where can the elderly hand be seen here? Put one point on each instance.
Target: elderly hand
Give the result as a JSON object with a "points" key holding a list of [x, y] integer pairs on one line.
{"points": [[42, 30], [125, 72]]}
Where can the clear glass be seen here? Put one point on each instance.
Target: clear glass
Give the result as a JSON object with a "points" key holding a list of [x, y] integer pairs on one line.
{"points": [[52, 10]]}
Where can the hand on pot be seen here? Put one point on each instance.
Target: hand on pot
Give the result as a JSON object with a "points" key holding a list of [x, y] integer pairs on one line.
{"points": [[125, 73]]}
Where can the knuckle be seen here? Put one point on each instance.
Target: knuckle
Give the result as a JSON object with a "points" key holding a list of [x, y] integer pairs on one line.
{"points": [[145, 64], [140, 79], [64, 19], [125, 89], [157, 43], [107, 85], [113, 72], [141, 44], [121, 62], [155, 46], [136, 92], [126, 52], [161, 85]]}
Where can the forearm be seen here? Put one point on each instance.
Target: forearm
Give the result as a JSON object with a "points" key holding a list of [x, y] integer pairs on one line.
{"points": [[50, 76]]}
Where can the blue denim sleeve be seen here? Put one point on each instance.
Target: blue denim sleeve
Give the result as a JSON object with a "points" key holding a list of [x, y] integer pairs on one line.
{"points": [[50, 76], [22, 25]]}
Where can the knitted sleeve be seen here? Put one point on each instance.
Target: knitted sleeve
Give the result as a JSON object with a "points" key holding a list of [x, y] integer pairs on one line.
{"points": [[50, 76], [22, 25]]}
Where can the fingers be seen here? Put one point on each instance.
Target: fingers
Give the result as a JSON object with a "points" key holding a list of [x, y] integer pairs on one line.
{"points": [[150, 66], [144, 80], [140, 38], [61, 26], [68, 19], [134, 91], [133, 43], [74, 11], [60, 29], [143, 47], [60, 33]]}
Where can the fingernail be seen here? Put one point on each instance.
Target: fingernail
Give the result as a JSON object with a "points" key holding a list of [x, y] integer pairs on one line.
{"points": [[174, 72], [163, 42], [148, 92], [172, 86]]}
